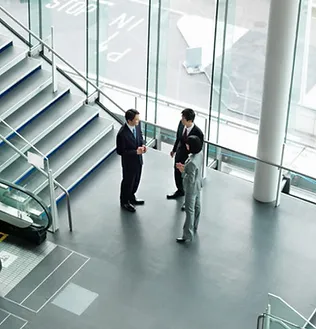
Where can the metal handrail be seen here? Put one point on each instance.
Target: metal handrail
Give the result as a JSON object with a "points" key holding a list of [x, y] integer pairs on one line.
{"points": [[45, 174], [239, 153], [286, 322], [307, 321], [33, 196], [60, 57], [25, 140], [180, 106], [259, 318], [120, 108]]}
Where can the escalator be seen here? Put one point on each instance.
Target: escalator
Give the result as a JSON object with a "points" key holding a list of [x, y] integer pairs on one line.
{"points": [[23, 214]]}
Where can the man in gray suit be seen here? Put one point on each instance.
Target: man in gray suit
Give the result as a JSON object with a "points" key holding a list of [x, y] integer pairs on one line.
{"points": [[192, 183]]}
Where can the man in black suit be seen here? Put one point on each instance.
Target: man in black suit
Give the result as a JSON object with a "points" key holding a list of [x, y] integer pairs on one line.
{"points": [[179, 152], [130, 146]]}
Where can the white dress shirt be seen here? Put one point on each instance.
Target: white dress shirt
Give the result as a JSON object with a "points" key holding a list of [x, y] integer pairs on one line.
{"points": [[131, 128], [188, 129]]}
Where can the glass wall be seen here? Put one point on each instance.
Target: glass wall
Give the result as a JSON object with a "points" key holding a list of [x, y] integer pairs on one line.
{"points": [[161, 56], [300, 136]]}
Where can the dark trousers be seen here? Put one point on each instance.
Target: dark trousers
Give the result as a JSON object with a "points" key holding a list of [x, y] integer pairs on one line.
{"points": [[178, 176], [130, 183]]}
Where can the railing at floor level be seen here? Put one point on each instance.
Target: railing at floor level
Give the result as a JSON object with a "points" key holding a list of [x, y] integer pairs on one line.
{"points": [[282, 314], [100, 91], [49, 176], [219, 146], [164, 101]]}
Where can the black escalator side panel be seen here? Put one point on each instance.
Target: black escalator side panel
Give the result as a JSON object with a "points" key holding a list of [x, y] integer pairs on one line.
{"points": [[31, 234]]}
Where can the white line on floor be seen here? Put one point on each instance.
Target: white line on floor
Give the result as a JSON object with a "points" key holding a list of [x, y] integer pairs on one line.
{"points": [[15, 316], [48, 276], [18, 304], [5, 319], [75, 252], [62, 287]]}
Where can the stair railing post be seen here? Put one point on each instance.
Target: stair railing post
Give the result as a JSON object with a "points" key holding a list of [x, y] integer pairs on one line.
{"points": [[278, 192], [54, 70], [53, 203], [267, 319], [205, 153]]}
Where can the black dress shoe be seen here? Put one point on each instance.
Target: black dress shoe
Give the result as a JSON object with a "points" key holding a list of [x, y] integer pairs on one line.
{"points": [[183, 240], [175, 195], [128, 207], [137, 202]]}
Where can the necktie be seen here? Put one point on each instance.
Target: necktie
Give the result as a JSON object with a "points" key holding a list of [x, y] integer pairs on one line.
{"points": [[134, 132], [185, 135]]}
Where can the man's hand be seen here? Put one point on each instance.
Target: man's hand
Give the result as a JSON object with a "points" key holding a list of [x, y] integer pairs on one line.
{"points": [[172, 154], [144, 148], [140, 150], [180, 166]]}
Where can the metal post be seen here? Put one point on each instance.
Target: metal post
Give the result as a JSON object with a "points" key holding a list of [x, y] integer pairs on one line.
{"points": [[278, 193], [158, 138], [306, 50], [135, 102], [267, 318], [69, 211], [205, 153], [53, 204], [54, 71]]}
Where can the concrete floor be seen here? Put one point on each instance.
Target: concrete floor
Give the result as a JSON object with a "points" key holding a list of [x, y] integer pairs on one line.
{"points": [[145, 280]]}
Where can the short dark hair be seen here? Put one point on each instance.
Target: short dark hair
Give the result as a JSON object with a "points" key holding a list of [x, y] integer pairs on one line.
{"points": [[130, 114], [195, 144], [188, 114]]}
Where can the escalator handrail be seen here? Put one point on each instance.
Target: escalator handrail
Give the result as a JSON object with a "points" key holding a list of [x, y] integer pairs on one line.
{"points": [[34, 197]]}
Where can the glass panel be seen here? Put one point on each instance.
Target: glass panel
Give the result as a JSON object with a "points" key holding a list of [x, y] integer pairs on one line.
{"points": [[293, 183], [301, 186], [276, 324], [18, 169], [68, 17], [282, 310], [92, 44], [233, 163], [122, 49], [240, 45], [20, 10], [34, 10], [300, 137], [175, 74], [19, 208]]}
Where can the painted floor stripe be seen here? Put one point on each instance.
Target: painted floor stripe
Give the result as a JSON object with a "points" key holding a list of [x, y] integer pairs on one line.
{"points": [[3, 236]]}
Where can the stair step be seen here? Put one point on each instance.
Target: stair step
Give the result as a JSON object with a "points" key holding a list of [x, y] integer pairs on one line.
{"points": [[40, 127], [20, 168], [10, 57], [69, 153], [24, 92], [16, 74], [77, 172], [5, 43], [32, 109]]}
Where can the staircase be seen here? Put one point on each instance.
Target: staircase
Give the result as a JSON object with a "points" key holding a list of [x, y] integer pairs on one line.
{"points": [[70, 133]]}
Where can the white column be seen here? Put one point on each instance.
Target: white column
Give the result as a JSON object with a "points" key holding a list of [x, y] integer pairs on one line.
{"points": [[277, 80]]}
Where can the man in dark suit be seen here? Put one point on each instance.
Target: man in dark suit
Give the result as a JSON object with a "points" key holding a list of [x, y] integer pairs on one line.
{"points": [[130, 146], [179, 152]]}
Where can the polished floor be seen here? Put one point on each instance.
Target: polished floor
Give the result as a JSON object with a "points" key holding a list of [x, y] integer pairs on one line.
{"points": [[139, 277]]}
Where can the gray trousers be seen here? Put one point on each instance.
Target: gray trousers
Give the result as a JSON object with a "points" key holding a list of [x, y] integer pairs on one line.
{"points": [[192, 212]]}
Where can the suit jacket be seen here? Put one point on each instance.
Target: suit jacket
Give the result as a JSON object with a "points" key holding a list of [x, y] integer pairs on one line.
{"points": [[192, 175], [179, 146], [127, 144]]}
